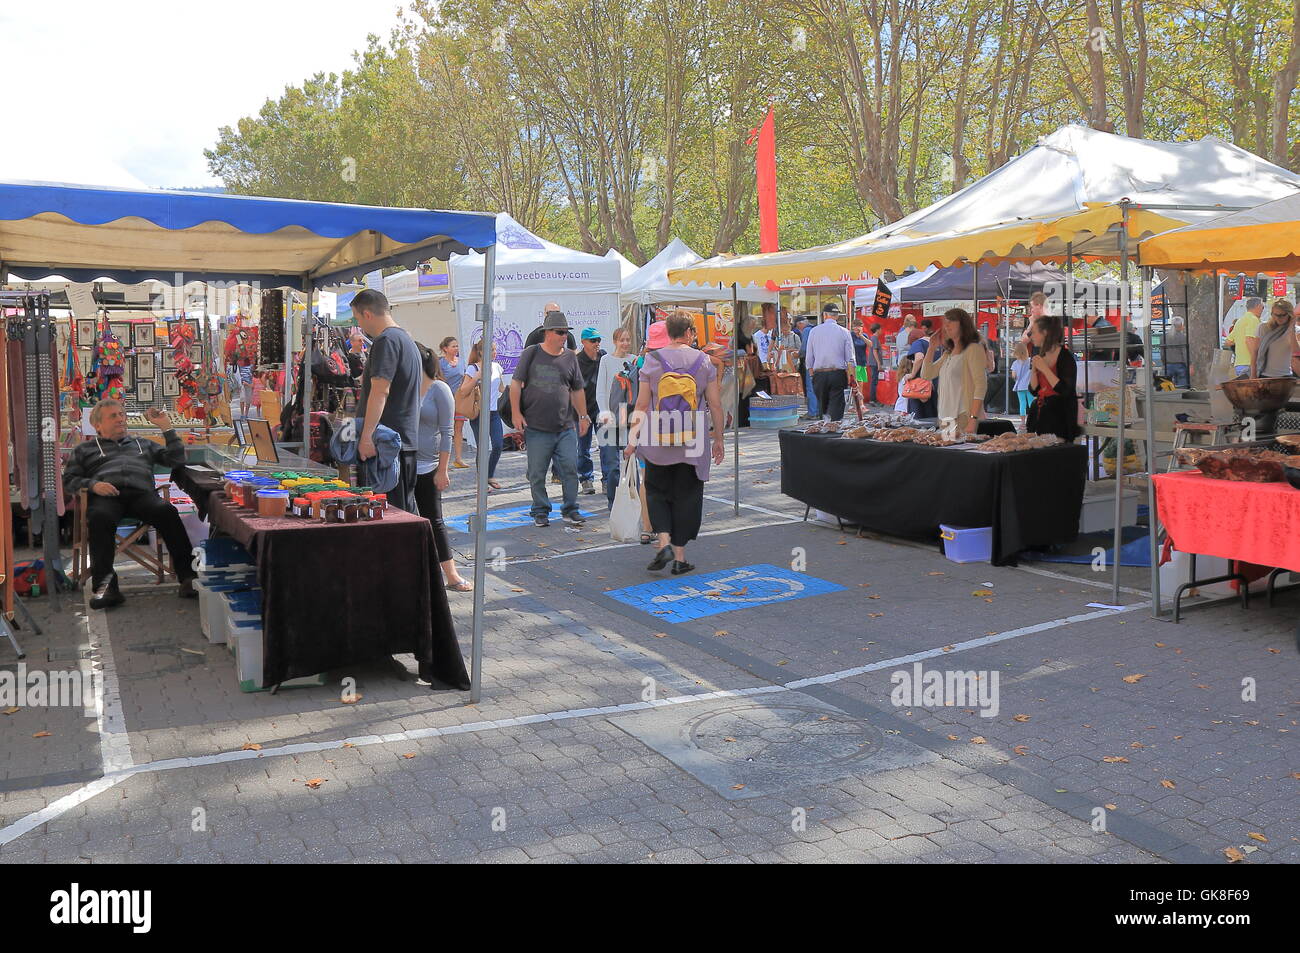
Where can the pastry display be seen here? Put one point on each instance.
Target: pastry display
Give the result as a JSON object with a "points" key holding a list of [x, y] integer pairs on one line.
{"points": [[1013, 442]]}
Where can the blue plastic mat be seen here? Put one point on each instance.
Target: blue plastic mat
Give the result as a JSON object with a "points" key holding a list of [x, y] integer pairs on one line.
{"points": [[1134, 551]]}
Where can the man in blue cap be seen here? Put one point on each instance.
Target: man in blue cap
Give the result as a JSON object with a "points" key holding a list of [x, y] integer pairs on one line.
{"points": [[589, 364]]}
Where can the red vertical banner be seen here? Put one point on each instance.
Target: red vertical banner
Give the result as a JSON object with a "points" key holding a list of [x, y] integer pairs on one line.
{"points": [[1279, 286], [765, 164]]}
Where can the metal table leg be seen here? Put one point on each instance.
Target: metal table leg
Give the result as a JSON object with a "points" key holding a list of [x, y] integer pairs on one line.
{"points": [[1243, 588]]}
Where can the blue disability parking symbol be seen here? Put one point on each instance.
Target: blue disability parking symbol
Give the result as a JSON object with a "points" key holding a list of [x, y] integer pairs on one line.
{"points": [[694, 597], [500, 519]]}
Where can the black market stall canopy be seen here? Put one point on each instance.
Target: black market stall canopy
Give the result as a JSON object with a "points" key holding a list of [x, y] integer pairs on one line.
{"points": [[84, 233]]}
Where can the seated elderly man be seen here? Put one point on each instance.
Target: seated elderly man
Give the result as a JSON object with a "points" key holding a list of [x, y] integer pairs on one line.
{"points": [[118, 472]]}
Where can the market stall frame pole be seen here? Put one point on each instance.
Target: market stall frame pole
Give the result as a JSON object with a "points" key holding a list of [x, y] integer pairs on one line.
{"points": [[735, 373], [1153, 521], [1125, 301], [308, 347], [288, 358], [481, 470]]}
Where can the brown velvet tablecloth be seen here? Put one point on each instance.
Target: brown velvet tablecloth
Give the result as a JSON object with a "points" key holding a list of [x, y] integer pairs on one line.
{"points": [[341, 593]]}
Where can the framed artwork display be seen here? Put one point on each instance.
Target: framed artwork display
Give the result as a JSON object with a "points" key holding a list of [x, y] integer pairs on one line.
{"points": [[85, 355], [86, 333], [128, 373], [122, 331], [168, 359], [171, 387], [143, 334], [263, 441], [145, 366], [144, 392]]}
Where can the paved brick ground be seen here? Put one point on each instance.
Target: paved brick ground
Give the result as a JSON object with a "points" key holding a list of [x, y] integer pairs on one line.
{"points": [[561, 781]]}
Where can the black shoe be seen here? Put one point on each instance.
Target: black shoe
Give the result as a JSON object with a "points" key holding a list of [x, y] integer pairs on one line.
{"points": [[662, 559], [106, 594], [542, 521], [187, 590], [575, 519], [680, 566], [588, 487]]}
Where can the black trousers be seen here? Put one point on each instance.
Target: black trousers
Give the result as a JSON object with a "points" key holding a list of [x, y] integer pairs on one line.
{"points": [[429, 500], [674, 497], [104, 513], [829, 388], [402, 496]]}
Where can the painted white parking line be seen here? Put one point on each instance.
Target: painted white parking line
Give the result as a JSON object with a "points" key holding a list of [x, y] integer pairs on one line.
{"points": [[61, 806]]}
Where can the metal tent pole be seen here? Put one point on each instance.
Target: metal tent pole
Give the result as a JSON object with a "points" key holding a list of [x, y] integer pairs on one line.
{"points": [[1123, 380], [288, 359], [1152, 521], [308, 356], [481, 460], [735, 420]]}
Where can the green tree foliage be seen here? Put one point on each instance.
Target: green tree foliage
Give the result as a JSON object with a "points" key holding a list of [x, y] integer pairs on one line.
{"points": [[606, 124]]}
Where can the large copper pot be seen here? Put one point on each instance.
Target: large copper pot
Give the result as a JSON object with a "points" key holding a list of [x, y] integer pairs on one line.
{"points": [[1259, 395]]}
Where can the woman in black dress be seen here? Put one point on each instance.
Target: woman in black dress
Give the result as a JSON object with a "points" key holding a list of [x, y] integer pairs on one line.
{"points": [[1052, 376]]}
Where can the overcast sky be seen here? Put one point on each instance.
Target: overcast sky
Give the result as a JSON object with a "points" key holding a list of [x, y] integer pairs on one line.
{"points": [[140, 88]]}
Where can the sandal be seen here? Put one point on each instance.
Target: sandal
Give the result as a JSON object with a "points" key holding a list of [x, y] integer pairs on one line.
{"points": [[459, 465], [647, 539], [463, 586], [495, 484]]}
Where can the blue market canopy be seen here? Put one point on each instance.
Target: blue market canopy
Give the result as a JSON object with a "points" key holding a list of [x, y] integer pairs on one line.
{"points": [[85, 233]]}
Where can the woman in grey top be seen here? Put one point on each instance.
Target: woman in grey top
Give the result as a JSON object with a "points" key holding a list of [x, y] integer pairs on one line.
{"points": [[1273, 352], [433, 475]]}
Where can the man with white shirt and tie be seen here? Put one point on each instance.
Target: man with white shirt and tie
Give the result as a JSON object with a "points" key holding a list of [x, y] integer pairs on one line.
{"points": [[831, 362]]}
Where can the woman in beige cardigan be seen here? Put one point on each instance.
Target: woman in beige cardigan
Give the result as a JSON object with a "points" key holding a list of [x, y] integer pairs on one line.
{"points": [[961, 371]]}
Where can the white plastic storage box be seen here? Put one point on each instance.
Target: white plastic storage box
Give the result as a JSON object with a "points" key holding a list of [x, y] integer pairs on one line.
{"points": [[964, 544], [247, 600], [245, 637], [222, 554], [211, 607]]}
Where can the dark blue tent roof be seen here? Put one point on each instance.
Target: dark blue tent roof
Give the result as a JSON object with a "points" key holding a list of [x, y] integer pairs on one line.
{"points": [[85, 232]]}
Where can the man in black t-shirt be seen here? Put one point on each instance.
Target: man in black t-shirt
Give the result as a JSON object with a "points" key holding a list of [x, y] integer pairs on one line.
{"points": [[549, 403], [390, 390]]}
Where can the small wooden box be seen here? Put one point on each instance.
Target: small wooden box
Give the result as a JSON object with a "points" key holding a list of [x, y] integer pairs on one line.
{"points": [[786, 384]]}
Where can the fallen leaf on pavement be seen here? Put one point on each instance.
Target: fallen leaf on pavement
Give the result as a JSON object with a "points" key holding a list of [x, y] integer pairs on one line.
{"points": [[982, 592], [953, 738], [10, 711], [1020, 718], [1112, 807], [352, 699], [1160, 645], [1115, 759], [728, 739], [873, 597], [1133, 679], [41, 734], [978, 740], [1233, 854], [1020, 750], [1137, 744], [737, 787], [1253, 835], [348, 744], [1166, 783], [314, 783], [874, 615], [408, 756], [661, 635], [936, 574], [251, 746], [1275, 651], [722, 632]]}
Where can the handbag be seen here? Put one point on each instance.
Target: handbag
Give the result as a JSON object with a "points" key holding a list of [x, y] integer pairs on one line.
{"points": [[917, 388], [468, 402], [625, 514]]}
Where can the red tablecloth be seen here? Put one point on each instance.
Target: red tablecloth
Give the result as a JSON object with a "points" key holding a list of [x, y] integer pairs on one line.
{"points": [[1251, 522]]}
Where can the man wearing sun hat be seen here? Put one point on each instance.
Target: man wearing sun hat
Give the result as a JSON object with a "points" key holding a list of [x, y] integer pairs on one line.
{"points": [[589, 356]]}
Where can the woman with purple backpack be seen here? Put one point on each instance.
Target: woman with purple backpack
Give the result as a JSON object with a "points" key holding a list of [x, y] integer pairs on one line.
{"points": [[671, 434]]}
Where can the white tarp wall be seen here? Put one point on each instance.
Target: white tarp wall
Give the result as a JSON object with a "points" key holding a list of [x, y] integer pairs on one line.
{"points": [[531, 272]]}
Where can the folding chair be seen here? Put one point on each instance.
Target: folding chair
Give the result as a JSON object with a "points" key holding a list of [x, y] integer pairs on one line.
{"points": [[132, 542]]}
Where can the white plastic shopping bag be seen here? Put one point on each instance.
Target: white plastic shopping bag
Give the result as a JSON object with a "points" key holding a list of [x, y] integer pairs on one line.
{"points": [[625, 514]]}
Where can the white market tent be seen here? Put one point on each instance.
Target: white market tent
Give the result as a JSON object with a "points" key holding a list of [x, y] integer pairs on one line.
{"points": [[650, 284], [530, 272], [625, 267], [427, 313], [1062, 197]]}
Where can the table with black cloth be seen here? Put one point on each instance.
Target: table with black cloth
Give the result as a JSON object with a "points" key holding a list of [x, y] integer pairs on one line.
{"points": [[1029, 498], [198, 483], [335, 594]]}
